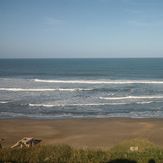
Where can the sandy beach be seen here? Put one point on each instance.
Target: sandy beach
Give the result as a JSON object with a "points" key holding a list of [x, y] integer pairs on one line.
{"points": [[81, 133]]}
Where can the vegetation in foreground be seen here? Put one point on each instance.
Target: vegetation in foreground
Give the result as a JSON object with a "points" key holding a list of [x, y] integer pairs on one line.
{"points": [[147, 153]]}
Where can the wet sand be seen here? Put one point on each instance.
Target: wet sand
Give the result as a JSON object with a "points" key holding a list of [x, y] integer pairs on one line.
{"points": [[81, 133]]}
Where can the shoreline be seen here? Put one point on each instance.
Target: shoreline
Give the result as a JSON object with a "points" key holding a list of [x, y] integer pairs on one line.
{"points": [[83, 133]]}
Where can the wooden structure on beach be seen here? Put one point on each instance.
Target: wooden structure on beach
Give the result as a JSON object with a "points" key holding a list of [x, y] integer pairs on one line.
{"points": [[26, 142]]}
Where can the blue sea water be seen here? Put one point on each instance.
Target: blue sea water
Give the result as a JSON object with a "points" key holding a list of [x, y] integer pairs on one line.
{"points": [[81, 88]]}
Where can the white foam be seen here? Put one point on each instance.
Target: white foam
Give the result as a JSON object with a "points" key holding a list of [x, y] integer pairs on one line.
{"points": [[131, 97], [101, 81], [11, 114], [96, 104], [144, 102], [43, 90], [44, 105], [3, 102], [62, 105]]}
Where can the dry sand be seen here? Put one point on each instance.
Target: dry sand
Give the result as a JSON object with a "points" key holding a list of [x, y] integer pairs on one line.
{"points": [[100, 133]]}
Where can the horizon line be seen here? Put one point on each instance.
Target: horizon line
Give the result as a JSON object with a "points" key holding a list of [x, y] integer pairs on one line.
{"points": [[87, 58]]}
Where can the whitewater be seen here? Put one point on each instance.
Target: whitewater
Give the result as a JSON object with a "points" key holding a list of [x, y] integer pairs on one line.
{"points": [[81, 88]]}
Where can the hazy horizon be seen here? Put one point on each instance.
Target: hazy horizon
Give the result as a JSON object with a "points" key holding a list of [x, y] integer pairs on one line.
{"points": [[82, 58], [81, 29]]}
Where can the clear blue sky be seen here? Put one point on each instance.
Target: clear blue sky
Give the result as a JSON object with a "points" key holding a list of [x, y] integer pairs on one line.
{"points": [[81, 28]]}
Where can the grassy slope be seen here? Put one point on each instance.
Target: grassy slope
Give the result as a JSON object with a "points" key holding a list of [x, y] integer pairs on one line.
{"points": [[66, 154]]}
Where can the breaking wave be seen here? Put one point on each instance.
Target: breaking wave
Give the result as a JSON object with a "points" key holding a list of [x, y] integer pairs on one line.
{"points": [[131, 97], [146, 102], [101, 81], [3, 102], [43, 90], [90, 104], [62, 105]]}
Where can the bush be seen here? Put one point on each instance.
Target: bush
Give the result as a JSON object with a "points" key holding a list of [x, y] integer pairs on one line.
{"points": [[66, 154]]}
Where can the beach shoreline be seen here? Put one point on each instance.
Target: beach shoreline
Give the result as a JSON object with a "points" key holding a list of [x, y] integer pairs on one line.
{"points": [[83, 133]]}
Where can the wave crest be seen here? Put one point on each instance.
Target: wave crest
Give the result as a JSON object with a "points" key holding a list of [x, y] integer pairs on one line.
{"points": [[101, 81], [131, 97], [3, 102], [43, 89]]}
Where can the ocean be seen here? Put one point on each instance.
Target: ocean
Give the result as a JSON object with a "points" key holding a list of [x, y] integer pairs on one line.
{"points": [[81, 88]]}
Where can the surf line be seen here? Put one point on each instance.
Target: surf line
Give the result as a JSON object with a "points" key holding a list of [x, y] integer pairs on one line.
{"points": [[101, 81]]}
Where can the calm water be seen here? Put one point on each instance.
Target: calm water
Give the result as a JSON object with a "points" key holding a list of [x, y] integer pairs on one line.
{"points": [[80, 88]]}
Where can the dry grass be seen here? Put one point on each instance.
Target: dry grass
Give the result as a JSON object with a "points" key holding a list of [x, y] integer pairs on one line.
{"points": [[65, 154]]}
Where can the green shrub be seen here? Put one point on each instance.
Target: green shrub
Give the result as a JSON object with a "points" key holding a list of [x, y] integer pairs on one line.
{"points": [[65, 154]]}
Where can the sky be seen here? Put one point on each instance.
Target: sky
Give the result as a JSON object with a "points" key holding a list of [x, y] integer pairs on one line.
{"points": [[81, 28]]}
